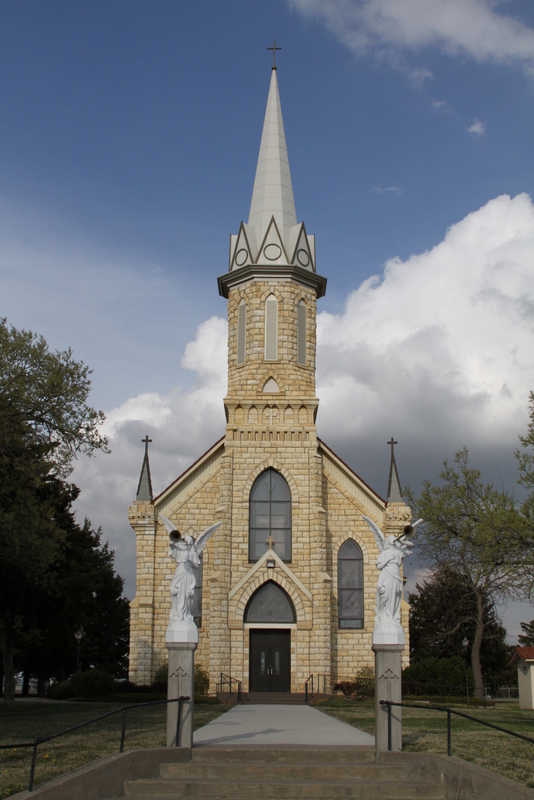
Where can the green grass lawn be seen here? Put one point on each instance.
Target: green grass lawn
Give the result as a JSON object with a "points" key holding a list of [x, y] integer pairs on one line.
{"points": [[144, 728], [426, 731]]}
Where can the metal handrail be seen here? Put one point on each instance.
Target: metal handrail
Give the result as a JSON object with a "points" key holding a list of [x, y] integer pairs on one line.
{"points": [[450, 711], [229, 679], [307, 690], [42, 739]]}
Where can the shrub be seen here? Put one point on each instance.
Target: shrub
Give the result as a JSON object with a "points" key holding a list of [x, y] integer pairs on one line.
{"points": [[361, 687], [89, 684], [201, 680], [437, 676]]}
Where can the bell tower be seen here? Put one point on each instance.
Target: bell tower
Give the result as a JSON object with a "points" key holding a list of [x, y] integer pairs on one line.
{"points": [[272, 288]]}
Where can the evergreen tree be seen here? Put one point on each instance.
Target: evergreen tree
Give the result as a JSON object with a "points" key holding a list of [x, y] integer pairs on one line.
{"points": [[526, 639], [443, 614]]}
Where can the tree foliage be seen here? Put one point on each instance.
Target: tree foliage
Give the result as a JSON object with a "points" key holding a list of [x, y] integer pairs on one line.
{"points": [[526, 639], [477, 532], [525, 455], [45, 422], [443, 613], [83, 592], [43, 402]]}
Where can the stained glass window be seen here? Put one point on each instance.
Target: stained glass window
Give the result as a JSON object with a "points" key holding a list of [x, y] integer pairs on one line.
{"points": [[270, 516], [350, 585]]}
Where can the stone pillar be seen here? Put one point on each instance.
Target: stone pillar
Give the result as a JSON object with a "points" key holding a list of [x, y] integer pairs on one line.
{"points": [[180, 684], [141, 666], [388, 686]]}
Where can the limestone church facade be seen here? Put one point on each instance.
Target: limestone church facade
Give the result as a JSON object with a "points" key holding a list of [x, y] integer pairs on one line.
{"points": [[287, 585]]}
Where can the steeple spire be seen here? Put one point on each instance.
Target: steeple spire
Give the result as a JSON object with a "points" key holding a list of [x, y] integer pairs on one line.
{"points": [[272, 195], [144, 488], [394, 489]]}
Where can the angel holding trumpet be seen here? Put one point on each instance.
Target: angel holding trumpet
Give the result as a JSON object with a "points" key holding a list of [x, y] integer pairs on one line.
{"points": [[185, 550], [389, 586]]}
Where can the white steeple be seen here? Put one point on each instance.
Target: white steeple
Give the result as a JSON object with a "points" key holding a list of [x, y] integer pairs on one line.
{"points": [[272, 195], [272, 244]]}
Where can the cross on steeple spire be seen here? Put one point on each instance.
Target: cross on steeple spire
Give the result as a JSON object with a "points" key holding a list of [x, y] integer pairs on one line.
{"points": [[274, 48]]}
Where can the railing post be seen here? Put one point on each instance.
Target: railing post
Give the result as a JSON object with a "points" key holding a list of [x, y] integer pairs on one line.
{"points": [[123, 732], [179, 723], [306, 692], [32, 770], [390, 746], [449, 736]]}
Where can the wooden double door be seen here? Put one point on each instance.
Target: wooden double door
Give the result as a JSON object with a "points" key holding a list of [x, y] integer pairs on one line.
{"points": [[270, 661]]}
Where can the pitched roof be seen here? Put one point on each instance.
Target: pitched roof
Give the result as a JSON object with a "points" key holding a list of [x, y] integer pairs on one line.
{"points": [[218, 444], [526, 653]]}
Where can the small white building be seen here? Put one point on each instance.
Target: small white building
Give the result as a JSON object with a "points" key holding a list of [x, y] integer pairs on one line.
{"points": [[524, 658]]}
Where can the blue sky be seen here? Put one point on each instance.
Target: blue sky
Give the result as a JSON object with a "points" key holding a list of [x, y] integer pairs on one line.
{"points": [[128, 145]]}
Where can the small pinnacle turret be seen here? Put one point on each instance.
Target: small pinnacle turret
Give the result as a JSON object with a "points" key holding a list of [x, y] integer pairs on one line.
{"points": [[144, 488], [394, 489]]}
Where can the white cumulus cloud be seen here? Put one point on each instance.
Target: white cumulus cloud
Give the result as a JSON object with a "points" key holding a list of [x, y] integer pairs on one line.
{"points": [[472, 28], [440, 346], [477, 127]]}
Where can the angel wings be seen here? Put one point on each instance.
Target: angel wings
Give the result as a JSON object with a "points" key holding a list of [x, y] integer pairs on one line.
{"points": [[379, 536], [200, 542]]}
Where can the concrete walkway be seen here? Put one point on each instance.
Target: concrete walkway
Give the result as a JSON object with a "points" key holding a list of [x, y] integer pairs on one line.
{"points": [[275, 725]]}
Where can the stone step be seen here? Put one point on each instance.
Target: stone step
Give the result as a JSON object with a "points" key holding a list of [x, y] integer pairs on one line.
{"points": [[298, 754], [260, 772], [283, 790], [274, 698]]}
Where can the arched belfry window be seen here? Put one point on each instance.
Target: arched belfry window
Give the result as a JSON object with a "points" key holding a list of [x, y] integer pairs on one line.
{"points": [[270, 604], [301, 333], [241, 331], [271, 328], [350, 585], [270, 516]]}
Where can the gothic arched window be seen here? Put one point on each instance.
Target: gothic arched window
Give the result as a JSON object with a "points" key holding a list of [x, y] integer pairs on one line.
{"points": [[271, 328], [241, 331], [301, 333], [350, 585], [270, 516], [270, 603]]}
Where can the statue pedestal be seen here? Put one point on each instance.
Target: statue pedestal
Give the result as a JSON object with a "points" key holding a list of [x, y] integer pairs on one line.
{"points": [[388, 686], [180, 684]]}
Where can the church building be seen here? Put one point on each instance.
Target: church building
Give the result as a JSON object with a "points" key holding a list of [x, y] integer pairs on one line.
{"points": [[287, 585]]}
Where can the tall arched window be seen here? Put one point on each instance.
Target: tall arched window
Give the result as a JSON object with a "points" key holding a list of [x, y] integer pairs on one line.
{"points": [[270, 516], [196, 606], [241, 331], [301, 333], [350, 585], [271, 328]]}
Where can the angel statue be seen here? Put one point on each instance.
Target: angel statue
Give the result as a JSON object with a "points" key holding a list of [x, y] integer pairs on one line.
{"points": [[186, 552], [389, 587]]}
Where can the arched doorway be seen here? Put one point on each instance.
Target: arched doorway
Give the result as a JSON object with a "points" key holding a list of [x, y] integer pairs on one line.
{"points": [[270, 609]]}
